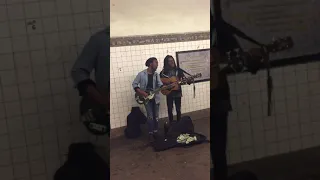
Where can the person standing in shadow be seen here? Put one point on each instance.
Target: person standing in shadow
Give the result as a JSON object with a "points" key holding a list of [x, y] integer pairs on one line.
{"points": [[223, 40], [85, 160]]}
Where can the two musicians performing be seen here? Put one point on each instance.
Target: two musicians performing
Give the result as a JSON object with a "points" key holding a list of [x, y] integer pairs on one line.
{"points": [[148, 83]]}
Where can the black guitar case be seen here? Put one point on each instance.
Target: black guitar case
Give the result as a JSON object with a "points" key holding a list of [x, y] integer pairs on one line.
{"points": [[95, 117], [162, 144], [173, 131], [185, 125]]}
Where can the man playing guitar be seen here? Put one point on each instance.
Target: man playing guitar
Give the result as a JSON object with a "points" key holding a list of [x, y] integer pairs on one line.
{"points": [[170, 70], [149, 80]]}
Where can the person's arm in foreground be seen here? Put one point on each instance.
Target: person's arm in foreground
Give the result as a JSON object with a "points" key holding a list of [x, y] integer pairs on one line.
{"points": [[82, 69]]}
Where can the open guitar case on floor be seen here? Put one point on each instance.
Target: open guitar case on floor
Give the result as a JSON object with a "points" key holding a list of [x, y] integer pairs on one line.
{"points": [[161, 145], [169, 141]]}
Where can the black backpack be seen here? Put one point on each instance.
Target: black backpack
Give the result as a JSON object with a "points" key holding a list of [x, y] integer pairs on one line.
{"points": [[134, 120]]}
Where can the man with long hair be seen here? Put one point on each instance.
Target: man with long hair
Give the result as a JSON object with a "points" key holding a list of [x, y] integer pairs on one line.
{"points": [[169, 70]]}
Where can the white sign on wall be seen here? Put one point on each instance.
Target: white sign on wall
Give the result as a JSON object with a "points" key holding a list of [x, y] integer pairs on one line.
{"points": [[266, 19], [195, 61]]}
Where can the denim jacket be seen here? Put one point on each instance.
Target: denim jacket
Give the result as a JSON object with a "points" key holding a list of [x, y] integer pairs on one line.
{"points": [[141, 81]]}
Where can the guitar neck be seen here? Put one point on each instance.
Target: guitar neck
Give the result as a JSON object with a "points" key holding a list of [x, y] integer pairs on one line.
{"points": [[189, 78], [157, 90], [269, 48], [176, 83], [280, 45], [167, 87]]}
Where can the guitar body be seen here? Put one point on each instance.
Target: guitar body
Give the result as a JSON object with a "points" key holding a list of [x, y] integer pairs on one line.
{"points": [[170, 80], [144, 100]]}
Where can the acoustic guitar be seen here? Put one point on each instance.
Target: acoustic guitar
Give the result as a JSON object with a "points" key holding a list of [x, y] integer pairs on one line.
{"points": [[174, 82], [254, 60], [241, 61]]}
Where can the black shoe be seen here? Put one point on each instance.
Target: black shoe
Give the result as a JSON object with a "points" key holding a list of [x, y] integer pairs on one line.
{"points": [[151, 138], [155, 135]]}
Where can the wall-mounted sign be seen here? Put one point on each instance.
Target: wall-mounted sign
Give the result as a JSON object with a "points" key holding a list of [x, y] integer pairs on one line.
{"points": [[195, 61]]}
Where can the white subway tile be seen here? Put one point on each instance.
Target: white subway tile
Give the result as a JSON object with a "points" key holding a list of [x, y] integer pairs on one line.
{"points": [[21, 170], [13, 109], [48, 8], [6, 172], [32, 10], [19, 155], [15, 11]]}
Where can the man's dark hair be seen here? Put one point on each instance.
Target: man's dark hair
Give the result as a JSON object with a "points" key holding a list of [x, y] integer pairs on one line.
{"points": [[166, 67], [150, 61]]}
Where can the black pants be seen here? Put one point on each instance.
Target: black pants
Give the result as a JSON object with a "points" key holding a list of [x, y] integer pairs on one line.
{"points": [[177, 102], [219, 124]]}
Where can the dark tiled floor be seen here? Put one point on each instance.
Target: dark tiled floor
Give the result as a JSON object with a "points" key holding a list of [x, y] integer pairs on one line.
{"points": [[132, 159], [302, 165]]}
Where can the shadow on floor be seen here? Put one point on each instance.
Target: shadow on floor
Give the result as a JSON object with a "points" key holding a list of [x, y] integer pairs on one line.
{"points": [[134, 160], [301, 165]]}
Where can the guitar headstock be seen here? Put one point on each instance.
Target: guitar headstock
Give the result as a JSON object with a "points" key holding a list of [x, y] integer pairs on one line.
{"points": [[198, 75], [190, 78], [280, 44]]}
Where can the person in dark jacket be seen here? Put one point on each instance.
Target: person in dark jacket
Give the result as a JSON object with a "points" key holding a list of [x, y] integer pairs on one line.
{"points": [[95, 58], [170, 70]]}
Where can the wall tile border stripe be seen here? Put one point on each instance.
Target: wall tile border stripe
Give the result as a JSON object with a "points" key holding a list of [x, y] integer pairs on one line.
{"points": [[158, 39]]}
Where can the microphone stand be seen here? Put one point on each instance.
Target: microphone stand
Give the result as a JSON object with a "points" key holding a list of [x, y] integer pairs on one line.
{"points": [[266, 59]]}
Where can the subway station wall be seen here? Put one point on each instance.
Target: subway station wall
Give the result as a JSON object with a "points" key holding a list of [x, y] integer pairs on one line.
{"points": [[148, 17]]}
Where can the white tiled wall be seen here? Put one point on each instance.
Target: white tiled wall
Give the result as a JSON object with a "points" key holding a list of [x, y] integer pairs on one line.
{"points": [[127, 62], [38, 106], [295, 120]]}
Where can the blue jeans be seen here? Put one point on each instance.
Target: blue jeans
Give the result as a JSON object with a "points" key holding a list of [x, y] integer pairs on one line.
{"points": [[153, 116]]}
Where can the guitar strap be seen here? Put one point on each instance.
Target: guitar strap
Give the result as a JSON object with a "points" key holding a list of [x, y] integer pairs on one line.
{"points": [[157, 79], [194, 86]]}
